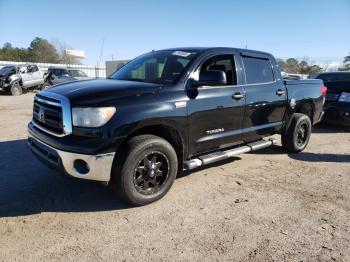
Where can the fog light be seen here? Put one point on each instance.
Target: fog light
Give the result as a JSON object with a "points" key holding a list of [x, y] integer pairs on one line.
{"points": [[347, 114], [81, 166]]}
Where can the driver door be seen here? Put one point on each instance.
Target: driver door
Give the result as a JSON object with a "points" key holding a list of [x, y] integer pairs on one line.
{"points": [[38, 78], [214, 114], [26, 76]]}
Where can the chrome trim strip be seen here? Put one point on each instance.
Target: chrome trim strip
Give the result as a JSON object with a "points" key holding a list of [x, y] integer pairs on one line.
{"points": [[66, 112], [237, 132], [47, 102], [46, 130], [100, 166]]}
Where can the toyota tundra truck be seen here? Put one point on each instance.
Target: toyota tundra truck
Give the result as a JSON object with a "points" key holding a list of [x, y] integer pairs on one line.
{"points": [[168, 111]]}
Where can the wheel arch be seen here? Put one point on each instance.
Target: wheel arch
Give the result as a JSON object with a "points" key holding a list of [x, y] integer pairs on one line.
{"points": [[170, 134], [306, 108], [303, 107]]}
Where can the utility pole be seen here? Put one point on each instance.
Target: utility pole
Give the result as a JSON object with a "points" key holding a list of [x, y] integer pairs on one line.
{"points": [[103, 43]]}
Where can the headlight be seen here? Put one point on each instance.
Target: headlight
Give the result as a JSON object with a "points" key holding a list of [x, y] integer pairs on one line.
{"points": [[92, 116], [344, 97]]}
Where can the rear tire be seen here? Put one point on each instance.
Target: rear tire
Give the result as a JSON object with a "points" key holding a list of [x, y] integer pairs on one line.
{"points": [[16, 90], [145, 170], [297, 136]]}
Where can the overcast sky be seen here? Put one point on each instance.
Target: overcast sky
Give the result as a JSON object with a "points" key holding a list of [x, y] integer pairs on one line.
{"points": [[290, 28]]}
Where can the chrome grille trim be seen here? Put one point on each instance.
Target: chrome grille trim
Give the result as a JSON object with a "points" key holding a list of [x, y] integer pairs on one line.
{"points": [[62, 102]]}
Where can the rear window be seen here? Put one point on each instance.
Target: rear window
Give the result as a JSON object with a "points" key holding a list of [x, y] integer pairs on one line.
{"points": [[257, 70], [59, 72]]}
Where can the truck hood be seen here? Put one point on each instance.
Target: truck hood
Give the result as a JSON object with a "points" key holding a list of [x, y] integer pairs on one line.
{"points": [[93, 92]]}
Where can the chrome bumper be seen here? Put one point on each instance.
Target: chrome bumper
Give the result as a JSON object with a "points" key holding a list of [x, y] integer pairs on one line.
{"points": [[91, 167]]}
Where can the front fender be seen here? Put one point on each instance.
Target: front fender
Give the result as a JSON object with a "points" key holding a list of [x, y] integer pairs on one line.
{"points": [[14, 79]]}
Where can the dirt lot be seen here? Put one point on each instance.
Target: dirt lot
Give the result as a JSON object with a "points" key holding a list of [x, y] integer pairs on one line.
{"points": [[266, 206]]}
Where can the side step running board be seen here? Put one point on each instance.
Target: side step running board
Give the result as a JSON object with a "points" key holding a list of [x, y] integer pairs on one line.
{"points": [[221, 155]]}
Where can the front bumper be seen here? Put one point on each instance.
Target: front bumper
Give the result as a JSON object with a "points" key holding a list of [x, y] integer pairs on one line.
{"points": [[91, 167], [3, 87]]}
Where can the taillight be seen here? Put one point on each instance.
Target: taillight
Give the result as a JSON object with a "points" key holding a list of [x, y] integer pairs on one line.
{"points": [[324, 90]]}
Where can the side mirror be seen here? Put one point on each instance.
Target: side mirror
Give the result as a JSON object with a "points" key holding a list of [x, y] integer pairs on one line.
{"points": [[211, 78]]}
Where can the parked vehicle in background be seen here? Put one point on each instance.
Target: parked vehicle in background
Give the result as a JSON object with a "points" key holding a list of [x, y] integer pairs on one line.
{"points": [[288, 76], [78, 74], [57, 75], [13, 79], [168, 111], [337, 106]]}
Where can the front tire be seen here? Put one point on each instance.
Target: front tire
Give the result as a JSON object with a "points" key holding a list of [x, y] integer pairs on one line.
{"points": [[297, 136], [16, 90], [145, 171]]}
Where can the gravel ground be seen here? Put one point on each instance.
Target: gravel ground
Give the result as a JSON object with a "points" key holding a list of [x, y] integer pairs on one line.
{"points": [[264, 206]]}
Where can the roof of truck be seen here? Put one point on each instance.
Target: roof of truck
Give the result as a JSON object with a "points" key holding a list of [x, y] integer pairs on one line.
{"points": [[203, 49]]}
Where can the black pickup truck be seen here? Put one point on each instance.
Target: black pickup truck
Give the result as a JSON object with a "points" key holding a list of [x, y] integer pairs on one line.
{"points": [[168, 111], [337, 105]]}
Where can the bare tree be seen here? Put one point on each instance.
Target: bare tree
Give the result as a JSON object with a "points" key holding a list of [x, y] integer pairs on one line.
{"points": [[61, 47]]}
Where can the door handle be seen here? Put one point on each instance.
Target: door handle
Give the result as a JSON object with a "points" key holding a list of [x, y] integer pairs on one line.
{"points": [[280, 92], [237, 95]]}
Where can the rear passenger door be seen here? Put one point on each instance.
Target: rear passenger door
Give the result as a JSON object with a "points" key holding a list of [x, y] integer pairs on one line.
{"points": [[26, 76], [265, 96]]}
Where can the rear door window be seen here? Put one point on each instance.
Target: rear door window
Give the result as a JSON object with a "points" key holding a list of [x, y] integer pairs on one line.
{"points": [[257, 70]]}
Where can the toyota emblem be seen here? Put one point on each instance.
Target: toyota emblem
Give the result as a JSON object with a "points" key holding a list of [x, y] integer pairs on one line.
{"points": [[41, 114]]}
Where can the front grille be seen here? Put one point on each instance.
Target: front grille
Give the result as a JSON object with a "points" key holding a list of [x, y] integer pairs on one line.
{"points": [[48, 116], [51, 114], [332, 97]]}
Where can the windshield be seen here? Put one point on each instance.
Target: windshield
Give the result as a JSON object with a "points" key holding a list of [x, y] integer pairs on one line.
{"points": [[7, 70], [161, 67], [77, 73]]}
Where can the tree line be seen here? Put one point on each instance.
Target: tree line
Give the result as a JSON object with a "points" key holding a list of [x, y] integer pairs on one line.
{"points": [[40, 51], [304, 66], [294, 66]]}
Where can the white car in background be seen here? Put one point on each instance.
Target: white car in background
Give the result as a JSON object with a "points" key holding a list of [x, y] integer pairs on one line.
{"points": [[15, 78]]}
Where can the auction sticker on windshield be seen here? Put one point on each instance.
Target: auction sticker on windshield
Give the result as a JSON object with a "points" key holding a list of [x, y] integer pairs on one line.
{"points": [[182, 53]]}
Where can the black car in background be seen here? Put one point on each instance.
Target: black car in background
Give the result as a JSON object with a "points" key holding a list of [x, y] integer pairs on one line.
{"points": [[57, 75], [337, 106]]}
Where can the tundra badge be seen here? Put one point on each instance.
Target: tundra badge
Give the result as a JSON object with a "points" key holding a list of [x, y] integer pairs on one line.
{"points": [[214, 131]]}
